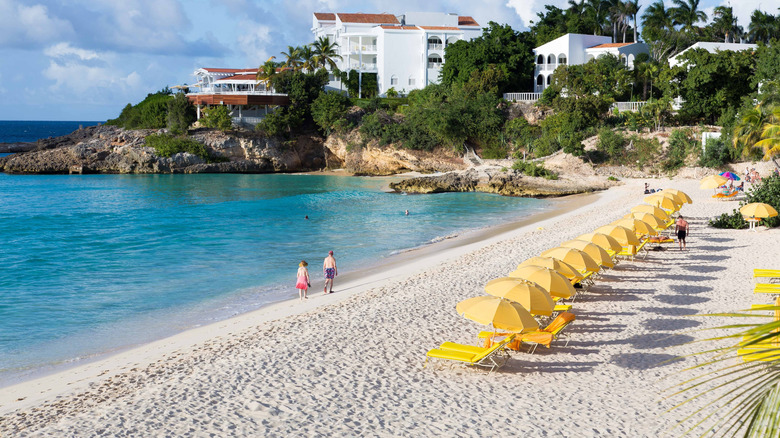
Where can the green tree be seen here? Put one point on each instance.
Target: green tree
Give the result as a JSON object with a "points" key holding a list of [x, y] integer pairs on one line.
{"points": [[725, 23], [181, 114], [217, 117], [292, 58], [763, 27], [328, 108], [325, 54], [767, 68], [267, 71], [686, 14], [660, 34], [770, 137], [308, 62]]}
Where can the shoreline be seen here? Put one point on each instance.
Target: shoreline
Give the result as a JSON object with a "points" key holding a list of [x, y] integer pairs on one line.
{"points": [[352, 282], [353, 364]]}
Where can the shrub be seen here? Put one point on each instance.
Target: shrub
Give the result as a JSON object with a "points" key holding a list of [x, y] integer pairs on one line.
{"points": [[612, 178], [495, 151], [391, 92], [767, 191], [519, 132], [150, 113], [328, 108], [532, 169], [217, 117], [168, 145], [680, 145], [611, 143], [716, 153], [181, 114], [282, 122], [563, 130]]}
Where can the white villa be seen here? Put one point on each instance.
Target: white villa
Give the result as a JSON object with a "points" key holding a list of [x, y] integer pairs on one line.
{"points": [[576, 49], [675, 60], [405, 51]]}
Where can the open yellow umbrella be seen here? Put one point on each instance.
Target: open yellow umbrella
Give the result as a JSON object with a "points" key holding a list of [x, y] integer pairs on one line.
{"points": [[623, 235], [639, 227], [597, 253], [652, 209], [653, 220], [562, 268], [574, 257], [758, 209], [529, 295], [680, 194], [607, 242], [664, 202], [553, 282], [498, 312], [712, 182]]}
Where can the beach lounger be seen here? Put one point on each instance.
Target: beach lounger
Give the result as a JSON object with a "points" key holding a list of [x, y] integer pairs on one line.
{"points": [[628, 252], [551, 333], [766, 273], [494, 357], [725, 196], [763, 354], [766, 288]]}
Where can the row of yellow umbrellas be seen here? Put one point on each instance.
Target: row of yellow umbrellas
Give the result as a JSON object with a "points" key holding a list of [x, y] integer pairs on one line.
{"points": [[529, 290]]}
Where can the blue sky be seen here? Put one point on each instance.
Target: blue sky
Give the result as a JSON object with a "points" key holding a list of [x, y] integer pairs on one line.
{"points": [[86, 59]]}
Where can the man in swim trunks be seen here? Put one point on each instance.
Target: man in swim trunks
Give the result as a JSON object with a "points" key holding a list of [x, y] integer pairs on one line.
{"points": [[681, 228], [330, 270]]}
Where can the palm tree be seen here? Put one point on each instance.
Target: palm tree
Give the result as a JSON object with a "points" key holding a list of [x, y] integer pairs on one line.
{"points": [[656, 15], [687, 14], [725, 22], [325, 54], [596, 14], [633, 7], [308, 61], [750, 128], [763, 27], [266, 71], [293, 55], [616, 15], [770, 137]]}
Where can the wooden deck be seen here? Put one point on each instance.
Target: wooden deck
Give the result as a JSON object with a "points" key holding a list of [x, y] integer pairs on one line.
{"points": [[238, 99]]}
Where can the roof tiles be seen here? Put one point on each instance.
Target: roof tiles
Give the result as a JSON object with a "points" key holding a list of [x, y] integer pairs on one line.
{"points": [[325, 16], [368, 18], [467, 21], [610, 45]]}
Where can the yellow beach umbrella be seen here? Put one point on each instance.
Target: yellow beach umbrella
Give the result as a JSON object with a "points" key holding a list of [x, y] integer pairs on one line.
{"points": [[529, 295], [498, 312], [712, 182], [664, 202], [562, 268], [680, 194], [653, 220], [652, 209], [597, 253], [623, 235], [607, 242], [672, 196], [758, 209], [639, 227], [553, 282], [574, 257]]}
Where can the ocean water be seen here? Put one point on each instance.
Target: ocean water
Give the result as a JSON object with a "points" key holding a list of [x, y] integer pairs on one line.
{"points": [[95, 263], [24, 131]]}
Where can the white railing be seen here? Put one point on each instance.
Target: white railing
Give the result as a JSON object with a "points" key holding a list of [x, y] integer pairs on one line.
{"points": [[435, 46], [247, 120], [354, 48], [239, 93], [522, 97], [434, 64], [628, 106], [366, 66]]}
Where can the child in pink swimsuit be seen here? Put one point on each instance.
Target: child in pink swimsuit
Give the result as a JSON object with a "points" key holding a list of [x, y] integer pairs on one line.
{"points": [[303, 280]]}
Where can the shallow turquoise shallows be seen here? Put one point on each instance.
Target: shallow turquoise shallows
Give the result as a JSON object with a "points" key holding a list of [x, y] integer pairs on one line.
{"points": [[99, 262]]}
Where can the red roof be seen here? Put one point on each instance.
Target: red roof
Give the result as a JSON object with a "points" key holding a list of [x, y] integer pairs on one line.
{"points": [[385, 26], [467, 21], [609, 45], [325, 16], [368, 18], [226, 70], [439, 28]]}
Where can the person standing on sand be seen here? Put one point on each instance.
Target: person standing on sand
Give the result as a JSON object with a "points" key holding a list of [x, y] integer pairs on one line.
{"points": [[303, 280], [681, 228], [330, 270]]}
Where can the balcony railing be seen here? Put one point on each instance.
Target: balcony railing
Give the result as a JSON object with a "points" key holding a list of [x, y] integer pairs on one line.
{"points": [[628, 106], [242, 93], [522, 97], [366, 66], [435, 46], [434, 64], [362, 48]]}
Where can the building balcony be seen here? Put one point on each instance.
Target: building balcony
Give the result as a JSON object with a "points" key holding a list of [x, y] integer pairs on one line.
{"points": [[435, 65], [356, 48], [436, 47], [366, 66]]}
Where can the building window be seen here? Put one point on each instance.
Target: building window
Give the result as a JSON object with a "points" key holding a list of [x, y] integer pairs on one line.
{"points": [[393, 80], [548, 80], [562, 59], [434, 61], [540, 80], [434, 43], [623, 59], [411, 81], [551, 59], [452, 39], [540, 59]]}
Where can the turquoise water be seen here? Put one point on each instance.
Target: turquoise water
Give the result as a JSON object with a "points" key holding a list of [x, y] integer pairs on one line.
{"points": [[94, 263]]}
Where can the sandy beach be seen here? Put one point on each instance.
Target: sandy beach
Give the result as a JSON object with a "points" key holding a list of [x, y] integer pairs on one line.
{"points": [[351, 363]]}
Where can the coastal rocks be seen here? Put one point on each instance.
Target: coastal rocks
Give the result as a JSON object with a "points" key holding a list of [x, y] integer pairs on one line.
{"points": [[13, 148], [361, 157], [527, 110]]}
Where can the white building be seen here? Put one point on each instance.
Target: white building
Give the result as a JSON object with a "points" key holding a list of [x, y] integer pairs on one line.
{"points": [[675, 60], [405, 51], [576, 49]]}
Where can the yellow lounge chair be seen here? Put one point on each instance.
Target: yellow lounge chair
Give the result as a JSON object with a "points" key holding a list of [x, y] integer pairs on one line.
{"points": [[766, 273], [759, 352], [628, 252], [494, 357], [551, 333], [725, 196], [766, 288]]}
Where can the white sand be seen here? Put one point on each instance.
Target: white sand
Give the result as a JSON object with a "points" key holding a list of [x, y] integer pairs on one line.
{"points": [[351, 364]]}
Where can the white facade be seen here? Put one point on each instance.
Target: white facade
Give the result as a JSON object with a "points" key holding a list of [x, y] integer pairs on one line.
{"points": [[405, 51], [675, 60], [576, 49]]}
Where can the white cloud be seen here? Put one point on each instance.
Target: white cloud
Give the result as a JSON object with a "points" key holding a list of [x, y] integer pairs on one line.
{"points": [[527, 9], [254, 41], [25, 26], [63, 50], [743, 9], [75, 70]]}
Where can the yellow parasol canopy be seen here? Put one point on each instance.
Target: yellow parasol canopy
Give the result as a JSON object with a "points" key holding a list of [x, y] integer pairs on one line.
{"points": [[758, 209], [602, 240], [639, 227], [562, 268], [680, 194], [665, 202], [498, 312], [653, 220], [529, 295], [574, 257], [652, 209], [623, 235], [712, 182], [597, 253], [553, 282]]}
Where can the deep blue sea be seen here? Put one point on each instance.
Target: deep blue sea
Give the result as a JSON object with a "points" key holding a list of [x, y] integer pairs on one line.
{"points": [[20, 131], [95, 263]]}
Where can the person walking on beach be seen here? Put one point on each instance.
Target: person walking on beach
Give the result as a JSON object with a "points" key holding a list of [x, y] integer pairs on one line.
{"points": [[303, 280], [681, 228], [330, 270]]}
